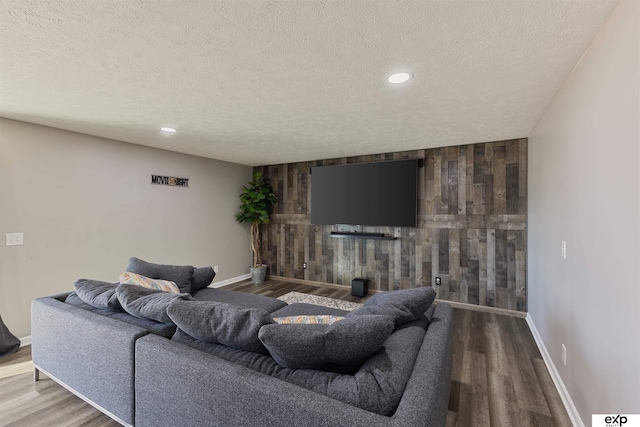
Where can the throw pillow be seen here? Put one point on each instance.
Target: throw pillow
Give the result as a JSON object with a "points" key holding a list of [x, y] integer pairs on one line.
{"points": [[97, 293], [128, 278], [404, 306], [202, 277], [181, 275], [147, 303], [347, 342], [318, 319], [220, 323]]}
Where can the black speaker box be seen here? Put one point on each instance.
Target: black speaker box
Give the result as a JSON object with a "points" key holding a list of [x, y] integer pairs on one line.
{"points": [[359, 287]]}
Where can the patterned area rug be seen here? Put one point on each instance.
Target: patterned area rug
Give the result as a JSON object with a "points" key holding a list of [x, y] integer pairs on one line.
{"points": [[293, 297]]}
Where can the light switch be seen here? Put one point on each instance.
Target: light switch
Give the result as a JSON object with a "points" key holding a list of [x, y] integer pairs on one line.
{"points": [[563, 249], [15, 239]]}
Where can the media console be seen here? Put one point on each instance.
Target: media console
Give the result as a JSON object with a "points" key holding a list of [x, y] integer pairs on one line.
{"points": [[356, 235]]}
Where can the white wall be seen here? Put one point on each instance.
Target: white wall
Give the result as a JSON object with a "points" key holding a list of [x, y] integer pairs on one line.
{"points": [[584, 188], [85, 205]]}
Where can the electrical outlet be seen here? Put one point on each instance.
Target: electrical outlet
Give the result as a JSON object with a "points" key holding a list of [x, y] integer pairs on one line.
{"points": [[15, 239], [438, 281], [304, 265], [215, 269], [564, 354]]}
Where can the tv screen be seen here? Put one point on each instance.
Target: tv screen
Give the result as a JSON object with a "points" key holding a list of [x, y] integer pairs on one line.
{"points": [[381, 193]]}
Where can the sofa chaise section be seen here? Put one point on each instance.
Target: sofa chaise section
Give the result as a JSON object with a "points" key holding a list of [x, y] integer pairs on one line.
{"points": [[89, 354], [176, 385]]}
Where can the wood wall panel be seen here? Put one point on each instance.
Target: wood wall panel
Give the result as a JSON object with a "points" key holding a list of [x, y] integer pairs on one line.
{"points": [[472, 216]]}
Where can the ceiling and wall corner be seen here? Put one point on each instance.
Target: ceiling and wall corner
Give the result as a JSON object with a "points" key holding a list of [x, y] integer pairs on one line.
{"points": [[269, 82]]}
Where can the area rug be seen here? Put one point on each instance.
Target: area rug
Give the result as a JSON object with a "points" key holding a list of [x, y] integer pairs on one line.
{"points": [[293, 297]]}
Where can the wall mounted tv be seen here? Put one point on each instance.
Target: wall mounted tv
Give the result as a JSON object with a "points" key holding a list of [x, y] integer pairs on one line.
{"points": [[379, 193]]}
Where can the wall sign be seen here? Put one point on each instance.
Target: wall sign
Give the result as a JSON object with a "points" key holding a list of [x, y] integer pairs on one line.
{"points": [[169, 180]]}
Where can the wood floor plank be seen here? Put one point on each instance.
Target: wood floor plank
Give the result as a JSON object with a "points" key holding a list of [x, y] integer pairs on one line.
{"points": [[452, 419], [554, 402], [71, 412], [503, 409], [479, 389], [14, 410], [475, 330], [527, 389], [456, 376], [522, 337], [473, 407], [498, 377], [466, 402], [534, 419], [497, 356]]}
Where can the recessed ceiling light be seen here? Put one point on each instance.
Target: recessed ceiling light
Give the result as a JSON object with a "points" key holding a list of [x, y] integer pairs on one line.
{"points": [[168, 130], [399, 77]]}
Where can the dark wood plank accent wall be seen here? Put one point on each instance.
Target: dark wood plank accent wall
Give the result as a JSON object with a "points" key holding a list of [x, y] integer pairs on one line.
{"points": [[472, 218]]}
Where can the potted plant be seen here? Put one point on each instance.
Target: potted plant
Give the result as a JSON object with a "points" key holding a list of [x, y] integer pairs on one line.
{"points": [[257, 200]]}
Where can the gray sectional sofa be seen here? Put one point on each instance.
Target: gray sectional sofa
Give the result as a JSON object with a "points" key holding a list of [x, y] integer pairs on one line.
{"points": [[144, 373]]}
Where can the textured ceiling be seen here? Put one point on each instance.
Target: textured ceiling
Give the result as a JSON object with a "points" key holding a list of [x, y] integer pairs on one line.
{"points": [[264, 82]]}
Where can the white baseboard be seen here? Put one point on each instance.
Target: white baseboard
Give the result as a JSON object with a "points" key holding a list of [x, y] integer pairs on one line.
{"points": [[555, 376], [230, 281], [25, 341]]}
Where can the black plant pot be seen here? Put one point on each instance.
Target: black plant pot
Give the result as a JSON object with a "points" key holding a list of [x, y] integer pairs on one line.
{"points": [[9, 344]]}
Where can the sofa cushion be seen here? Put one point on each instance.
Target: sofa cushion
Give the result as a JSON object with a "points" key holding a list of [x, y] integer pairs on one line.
{"points": [[98, 294], [164, 330], [239, 299], [377, 385], [147, 303], [217, 322], [404, 306], [181, 275], [129, 278], [202, 277], [346, 342]]}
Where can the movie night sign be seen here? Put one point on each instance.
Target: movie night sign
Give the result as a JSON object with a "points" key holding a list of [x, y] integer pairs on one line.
{"points": [[169, 180]]}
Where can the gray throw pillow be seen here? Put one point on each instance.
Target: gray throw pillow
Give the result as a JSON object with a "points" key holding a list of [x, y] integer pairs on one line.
{"points": [[97, 293], [404, 306], [202, 277], [147, 303], [220, 323], [181, 275], [347, 342]]}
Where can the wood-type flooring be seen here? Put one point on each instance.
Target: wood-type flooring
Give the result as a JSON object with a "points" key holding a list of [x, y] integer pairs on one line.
{"points": [[499, 377]]}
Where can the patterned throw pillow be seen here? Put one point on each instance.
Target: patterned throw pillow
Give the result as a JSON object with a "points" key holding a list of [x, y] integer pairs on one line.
{"points": [[147, 303], [128, 278], [320, 319]]}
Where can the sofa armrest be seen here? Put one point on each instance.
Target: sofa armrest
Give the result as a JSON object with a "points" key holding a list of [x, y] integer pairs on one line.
{"points": [[179, 385], [426, 398], [91, 354]]}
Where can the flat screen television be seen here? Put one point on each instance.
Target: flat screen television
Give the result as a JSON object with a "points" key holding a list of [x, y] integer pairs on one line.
{"points": [[379, 193]]}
